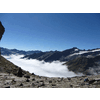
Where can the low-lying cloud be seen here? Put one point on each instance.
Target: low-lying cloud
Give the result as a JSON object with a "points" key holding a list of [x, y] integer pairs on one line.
{"points": [[94, 71], [42, 68]]}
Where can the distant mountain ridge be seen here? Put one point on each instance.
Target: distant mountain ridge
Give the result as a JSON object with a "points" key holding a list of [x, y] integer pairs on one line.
{"points": [[5, 51], [49, 56], [65, 55]]}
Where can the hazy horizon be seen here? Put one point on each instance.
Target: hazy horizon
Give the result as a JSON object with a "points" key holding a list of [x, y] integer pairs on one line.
{"points": [[45, 51]]}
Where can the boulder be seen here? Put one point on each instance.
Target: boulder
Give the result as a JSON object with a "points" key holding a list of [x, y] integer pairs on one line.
{"points": [[33, 79], [69, 79], [27, 80], [33, 74], [2, 30], [92, 81], [50, 81], [33, 84], [20, 74], [41, 84], [21, 84], [27, 76], [7, 87]]}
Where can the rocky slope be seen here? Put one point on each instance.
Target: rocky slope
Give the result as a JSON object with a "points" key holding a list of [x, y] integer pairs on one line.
{"points": [[87, 66], [8, 67]]}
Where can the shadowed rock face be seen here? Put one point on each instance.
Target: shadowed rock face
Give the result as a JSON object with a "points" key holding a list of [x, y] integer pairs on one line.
{"points": [[2, 30]]}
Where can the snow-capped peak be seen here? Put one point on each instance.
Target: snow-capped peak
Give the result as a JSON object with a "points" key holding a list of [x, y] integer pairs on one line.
{"points": [[76, 49]]}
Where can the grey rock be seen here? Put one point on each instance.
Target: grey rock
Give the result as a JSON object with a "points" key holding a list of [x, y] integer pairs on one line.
{"points": [[20, 72], [53, 84], [2, 30], [91, 81], [50, 81], [71, 85], [37, 81], [41, 81], [27, 80], [21, 84], [41, 84], [33, 74], [7, 87], [33, 79], [27, 76], [33, 84], [69, 79], [82, 84]]}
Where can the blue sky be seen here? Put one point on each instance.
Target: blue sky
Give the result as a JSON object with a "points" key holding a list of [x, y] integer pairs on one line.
{"points": [[50, 31]]}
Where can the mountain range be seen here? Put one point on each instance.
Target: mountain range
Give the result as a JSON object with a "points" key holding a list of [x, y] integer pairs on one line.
{"points": [[5, 51], [77, 60], [66, 55]]}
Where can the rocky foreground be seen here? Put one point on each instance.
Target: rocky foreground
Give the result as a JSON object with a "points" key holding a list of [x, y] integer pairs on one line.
{"points": [[34, 81]]}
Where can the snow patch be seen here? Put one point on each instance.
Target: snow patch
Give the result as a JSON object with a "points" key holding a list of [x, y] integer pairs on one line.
{"points": [[82, 52], [76, 49]]}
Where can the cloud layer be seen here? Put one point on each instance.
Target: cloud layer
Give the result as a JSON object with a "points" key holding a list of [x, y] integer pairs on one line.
{"points": [[42, 68]]}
